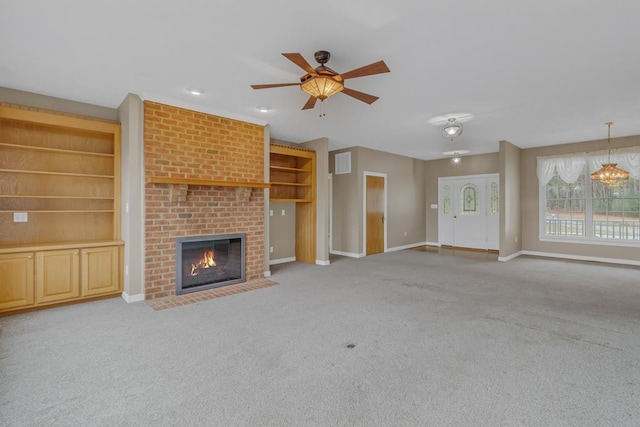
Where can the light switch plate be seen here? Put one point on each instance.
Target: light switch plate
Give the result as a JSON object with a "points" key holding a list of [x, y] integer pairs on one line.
{"points": [[20, 217], [434, 206]]}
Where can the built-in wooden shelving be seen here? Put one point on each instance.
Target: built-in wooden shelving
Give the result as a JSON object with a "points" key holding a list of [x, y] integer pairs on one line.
{"points": [[64, 174]]}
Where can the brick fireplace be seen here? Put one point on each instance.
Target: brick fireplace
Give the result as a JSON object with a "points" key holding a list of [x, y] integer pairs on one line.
{"points": [[185, 144]]}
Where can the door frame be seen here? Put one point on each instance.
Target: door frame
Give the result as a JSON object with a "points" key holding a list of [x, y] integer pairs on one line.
{"points": [[364, 209], [330, 212], [451, 178]]}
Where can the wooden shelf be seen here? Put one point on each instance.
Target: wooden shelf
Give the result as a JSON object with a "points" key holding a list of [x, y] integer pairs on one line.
{"points": [[59, 210], [295, 184], [287, 169], [55, 150], [55, 173], [190, 181], [55, 246], [291, 200], [26, 196]]}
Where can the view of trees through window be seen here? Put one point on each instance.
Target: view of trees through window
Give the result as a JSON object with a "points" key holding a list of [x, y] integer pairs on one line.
{"points": [[592, 209]]}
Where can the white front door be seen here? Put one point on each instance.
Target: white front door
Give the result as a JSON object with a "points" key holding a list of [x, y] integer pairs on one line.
{"points": [[468, 215]]}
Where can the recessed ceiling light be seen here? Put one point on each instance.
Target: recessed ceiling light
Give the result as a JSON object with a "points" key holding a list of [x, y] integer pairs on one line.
{"points": [[455, 152], [263, 109], [195, 91]]}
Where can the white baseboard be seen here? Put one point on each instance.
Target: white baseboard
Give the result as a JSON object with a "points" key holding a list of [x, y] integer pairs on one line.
{"points": [[267, 273], [432, 244], [403, 247], [281, 260], [349, 254], [510, 257], [321, 262], [582, 258], [132, 298]]}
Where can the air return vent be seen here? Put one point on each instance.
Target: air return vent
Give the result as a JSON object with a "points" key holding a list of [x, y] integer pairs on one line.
{"points": [[343, 163]]}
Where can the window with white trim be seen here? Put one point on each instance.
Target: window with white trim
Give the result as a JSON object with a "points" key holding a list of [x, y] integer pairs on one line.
{"points": [[575, 208]]}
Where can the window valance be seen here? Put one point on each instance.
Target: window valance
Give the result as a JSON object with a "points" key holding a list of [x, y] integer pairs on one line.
{"points": [[570, 167]]}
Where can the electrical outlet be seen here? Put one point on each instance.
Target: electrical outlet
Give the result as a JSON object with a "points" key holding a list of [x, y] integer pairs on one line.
{"points": [[405, 234], [516, 239], [271, 249], [20, 217], [282, 212], [270, 212]]}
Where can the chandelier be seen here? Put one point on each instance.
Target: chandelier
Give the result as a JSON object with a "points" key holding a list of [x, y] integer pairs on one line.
{"points": [[609, 173]]}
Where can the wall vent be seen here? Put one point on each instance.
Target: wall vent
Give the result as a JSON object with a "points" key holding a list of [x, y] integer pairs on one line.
{"points": [[343, 163]]}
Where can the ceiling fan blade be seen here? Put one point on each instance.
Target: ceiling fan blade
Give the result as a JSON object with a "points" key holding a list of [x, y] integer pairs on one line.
{"points": [[274, 85], [311, 102], [297, 59], [360, 96], [368, 70]]}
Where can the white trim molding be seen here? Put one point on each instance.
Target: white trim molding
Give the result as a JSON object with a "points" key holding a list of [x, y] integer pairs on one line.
{"points": [[282, 260], [403, 247], [321, 262], [436, 244], [132, 298], [267, 273], [509, 257], [349, 254], [582, 258]]}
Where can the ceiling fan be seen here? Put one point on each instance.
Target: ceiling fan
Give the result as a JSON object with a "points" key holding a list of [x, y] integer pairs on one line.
{"points": [[322, 82]]}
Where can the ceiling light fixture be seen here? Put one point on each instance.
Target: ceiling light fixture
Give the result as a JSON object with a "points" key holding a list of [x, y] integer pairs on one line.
{"points": [[609, 173], [196, 92], [324, 82], [263, 109], [456, 161], [452, 129], [322, 86]]}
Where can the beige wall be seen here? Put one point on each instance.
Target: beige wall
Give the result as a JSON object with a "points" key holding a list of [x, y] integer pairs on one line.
{"points": [[530, 202], [471, 165], [282, 230], [347, 214], [57, 104], [405, 199], [510, 215]]}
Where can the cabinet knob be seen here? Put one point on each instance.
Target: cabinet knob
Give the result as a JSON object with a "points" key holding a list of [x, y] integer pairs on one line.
{"points": [[29, 257], [75, 253]]}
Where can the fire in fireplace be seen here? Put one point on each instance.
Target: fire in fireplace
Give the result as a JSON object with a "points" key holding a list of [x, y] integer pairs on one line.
{"points": [[205, 262]]}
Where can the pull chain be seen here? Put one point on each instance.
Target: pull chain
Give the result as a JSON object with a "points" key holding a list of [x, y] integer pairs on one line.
{"points": [[322, 114]]}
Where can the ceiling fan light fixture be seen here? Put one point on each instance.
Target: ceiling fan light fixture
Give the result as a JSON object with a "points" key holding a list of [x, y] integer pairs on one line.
{"points": [[456, 161], [452, 129], [609, 173], [194, 91], [321, 87]]}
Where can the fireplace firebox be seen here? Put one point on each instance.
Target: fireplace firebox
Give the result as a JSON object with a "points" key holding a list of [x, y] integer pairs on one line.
{"points": [[205, 262]]}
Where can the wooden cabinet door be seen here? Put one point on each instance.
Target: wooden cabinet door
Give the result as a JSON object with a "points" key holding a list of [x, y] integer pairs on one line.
{"points": [[100, 272], [57, 275], [16, 280]]}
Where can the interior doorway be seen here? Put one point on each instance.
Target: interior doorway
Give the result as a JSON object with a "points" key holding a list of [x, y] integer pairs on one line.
{"points": [[375, 213], [468, 211]]}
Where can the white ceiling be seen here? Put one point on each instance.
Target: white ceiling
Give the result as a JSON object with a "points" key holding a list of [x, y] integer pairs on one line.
{"points": [[531, 72]]}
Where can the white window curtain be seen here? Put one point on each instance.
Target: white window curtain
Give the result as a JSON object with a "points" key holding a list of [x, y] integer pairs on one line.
{"points": [[569, 168]]}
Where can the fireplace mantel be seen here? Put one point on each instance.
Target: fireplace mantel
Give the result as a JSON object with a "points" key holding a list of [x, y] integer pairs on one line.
{"points": [[190, 181]]}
